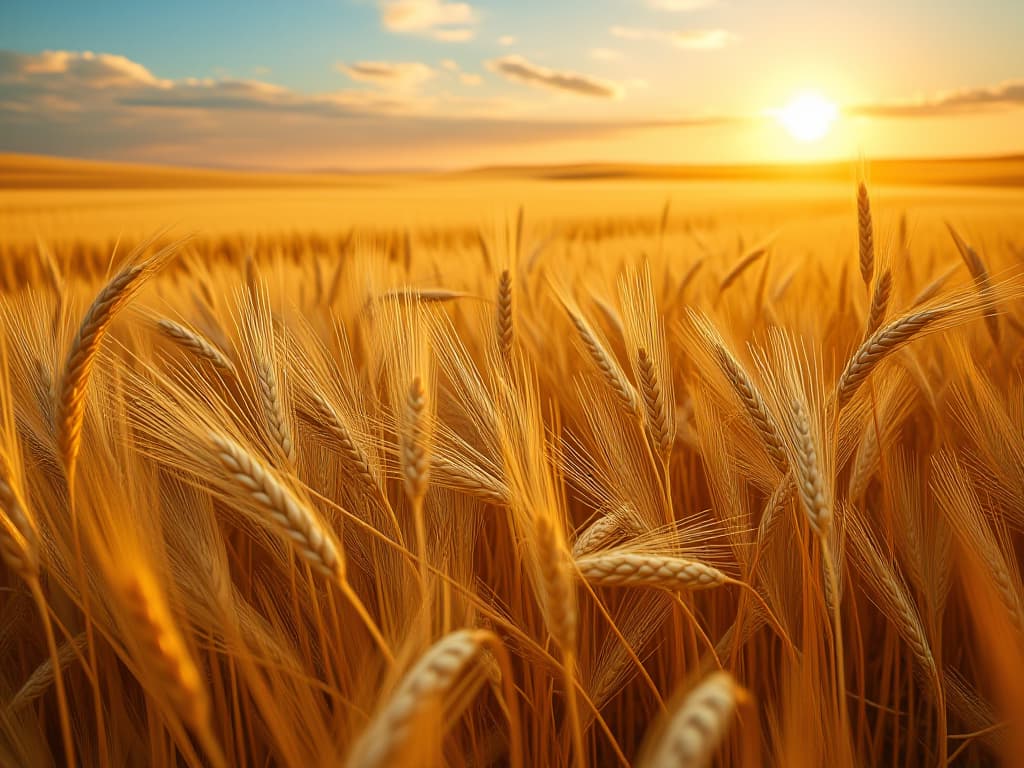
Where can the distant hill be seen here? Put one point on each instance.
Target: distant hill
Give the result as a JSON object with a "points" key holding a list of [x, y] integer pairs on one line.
{"points": [[42, 172], [987, 172]]}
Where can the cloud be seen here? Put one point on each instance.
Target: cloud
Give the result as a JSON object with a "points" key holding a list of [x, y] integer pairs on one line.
{"points": [[681, 6], [468, 78], [441, 20], [519, 69], [507, 40], [1009, 94], [688, 39], [84, 68], [702, 39], [395, 74], [605, 54]]}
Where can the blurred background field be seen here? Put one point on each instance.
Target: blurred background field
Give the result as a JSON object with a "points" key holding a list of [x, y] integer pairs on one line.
{"points": [[62, 201]]}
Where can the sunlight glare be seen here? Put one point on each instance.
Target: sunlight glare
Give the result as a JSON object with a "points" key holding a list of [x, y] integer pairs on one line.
{"points": [[808, 116]]}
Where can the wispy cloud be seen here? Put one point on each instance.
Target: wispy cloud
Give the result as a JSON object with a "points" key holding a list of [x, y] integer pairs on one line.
{"points": [[397, 74], [689, 39], [681, 6], [507, 40], [519, 69], [605, 54], [1009, 94], [702, 39], [441, 20]]}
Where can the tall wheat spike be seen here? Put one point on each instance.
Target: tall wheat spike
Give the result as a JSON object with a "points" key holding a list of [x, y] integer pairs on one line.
{"points": [[74, 379]]}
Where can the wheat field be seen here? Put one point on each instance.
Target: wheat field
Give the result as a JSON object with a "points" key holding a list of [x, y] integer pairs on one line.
{"points": [[663, 488]]}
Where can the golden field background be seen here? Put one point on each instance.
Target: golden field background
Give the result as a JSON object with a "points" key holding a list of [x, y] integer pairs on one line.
{"points": [[580, 466]]}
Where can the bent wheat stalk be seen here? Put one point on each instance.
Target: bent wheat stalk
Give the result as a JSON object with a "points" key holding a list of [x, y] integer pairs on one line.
{"points": [[883, 343]]}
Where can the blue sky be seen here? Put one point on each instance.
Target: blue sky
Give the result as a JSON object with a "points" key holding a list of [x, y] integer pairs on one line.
{"points": [[390, 78]]}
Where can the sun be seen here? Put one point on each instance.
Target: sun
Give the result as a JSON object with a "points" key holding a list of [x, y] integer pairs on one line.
{"points": [[808, 116]]}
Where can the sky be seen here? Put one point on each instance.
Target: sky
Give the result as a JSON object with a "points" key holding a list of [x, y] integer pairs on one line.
{"points": [[422, 84]]}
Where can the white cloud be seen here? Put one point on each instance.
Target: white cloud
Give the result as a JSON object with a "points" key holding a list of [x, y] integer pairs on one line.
{"points": [[605, 54], [507, 40], [441, 20], [702, 39], [690, 39]]}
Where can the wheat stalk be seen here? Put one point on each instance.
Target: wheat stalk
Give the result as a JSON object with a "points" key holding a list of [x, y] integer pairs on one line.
{"points": [[740, 267], [611, 371], [330, 421], [196, 343], [880, 345], [82, 356], [981, 279], [298, 522], [753, 403], [697, 727], [624, 569]]}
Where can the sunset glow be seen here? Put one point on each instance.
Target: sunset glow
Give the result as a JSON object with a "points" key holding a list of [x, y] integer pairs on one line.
{"points": [[808, 117], [445, 84]]}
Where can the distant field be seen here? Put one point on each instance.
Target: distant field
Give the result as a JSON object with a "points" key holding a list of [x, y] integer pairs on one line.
{"points": [[64, 199]]}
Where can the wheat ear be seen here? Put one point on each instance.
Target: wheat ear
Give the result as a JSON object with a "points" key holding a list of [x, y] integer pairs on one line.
{"points": [[659, 423], [273, 409], [559, 595], [330, 421], [807, 471], [866, 234], [299, 523], [981, 279], [741, 266], [163, 650], [45, 674], [879, 302], [196, 343], [626, 569], [82, 356], [603, 360], [414, 450], [883, 343], [503, 321], [753, 403], [19, 539], [424, 686], [606, 530], [698, 726]]}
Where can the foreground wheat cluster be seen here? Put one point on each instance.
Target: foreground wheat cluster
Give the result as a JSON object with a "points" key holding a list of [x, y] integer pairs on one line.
{"points": [[546, 502]]}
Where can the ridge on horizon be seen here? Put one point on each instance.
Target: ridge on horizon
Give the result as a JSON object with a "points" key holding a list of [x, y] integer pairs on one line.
{"points": [[19, 170]]}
